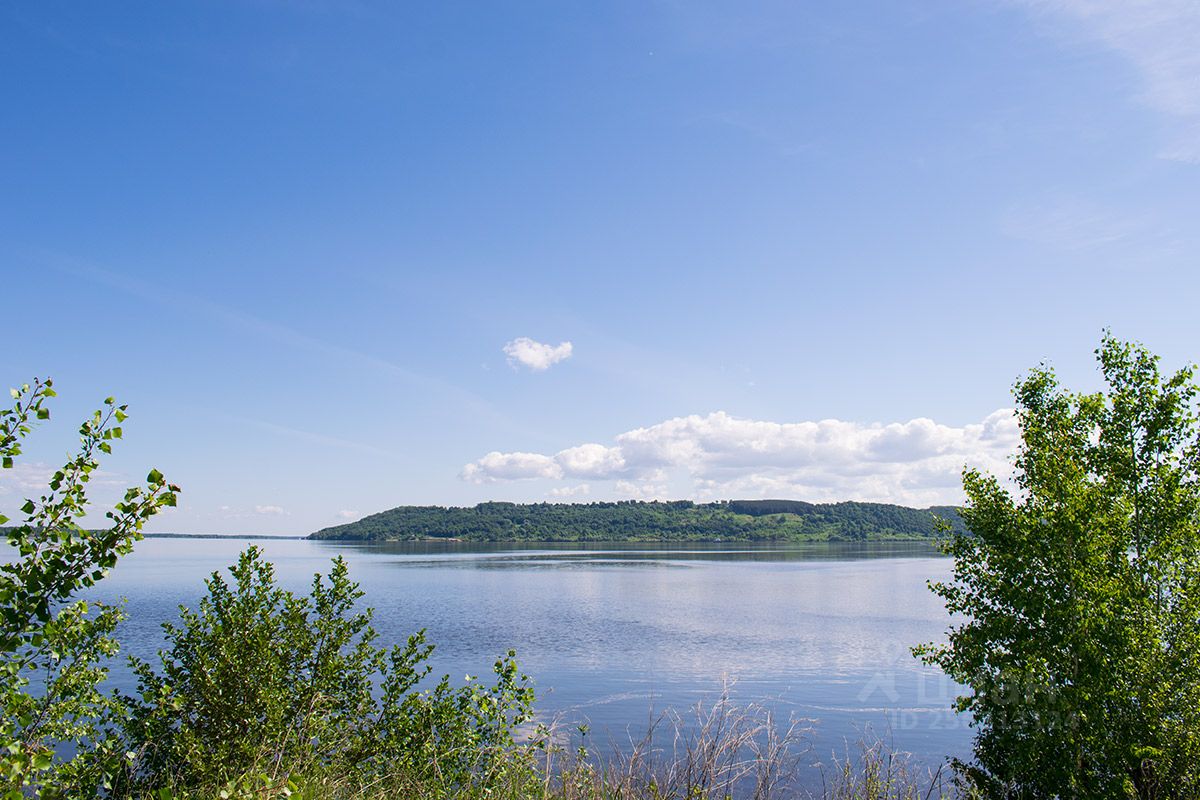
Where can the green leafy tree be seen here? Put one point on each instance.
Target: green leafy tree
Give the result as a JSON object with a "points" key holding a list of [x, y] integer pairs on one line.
{"points": [[56, 732], [1078, 590]]}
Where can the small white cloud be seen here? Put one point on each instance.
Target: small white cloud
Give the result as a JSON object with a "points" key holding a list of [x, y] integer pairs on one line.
{"points": [[28, 478], [346, 513], [641, 491], [571, 491], [583, 461], [25, 478], [537, 356], [275, 510]]}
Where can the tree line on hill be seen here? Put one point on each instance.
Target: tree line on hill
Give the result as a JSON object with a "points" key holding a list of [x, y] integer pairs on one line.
{"points": [[634, 520]]}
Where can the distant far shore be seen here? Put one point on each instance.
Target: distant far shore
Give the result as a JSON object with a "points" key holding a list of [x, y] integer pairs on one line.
{"points": [[218, 536], [652, 521]]}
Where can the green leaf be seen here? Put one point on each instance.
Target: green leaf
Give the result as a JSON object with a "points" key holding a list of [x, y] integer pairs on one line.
{"points": [[154, 477]]}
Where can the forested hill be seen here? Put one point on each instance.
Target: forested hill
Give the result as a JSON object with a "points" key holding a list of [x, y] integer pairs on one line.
{"points": [[631, 520]]}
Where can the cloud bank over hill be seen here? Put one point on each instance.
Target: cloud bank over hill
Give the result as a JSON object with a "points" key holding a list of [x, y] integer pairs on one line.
{"points": [[717, 455]]}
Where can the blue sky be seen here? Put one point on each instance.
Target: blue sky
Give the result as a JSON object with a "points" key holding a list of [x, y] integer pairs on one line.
{"points": [[798, 250]]}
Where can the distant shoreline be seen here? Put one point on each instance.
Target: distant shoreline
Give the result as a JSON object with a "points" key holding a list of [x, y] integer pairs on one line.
{"points": [[651, 521], [931, 540], [217, 536]]}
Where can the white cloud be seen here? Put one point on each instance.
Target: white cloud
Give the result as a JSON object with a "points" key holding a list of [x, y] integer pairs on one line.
{"points": [[717, 455], [641, 491], [591, 461], [571, 491], [535, 355], [511, 466], [29, 478], [237, 512], [1160, 39], [346, 513]]}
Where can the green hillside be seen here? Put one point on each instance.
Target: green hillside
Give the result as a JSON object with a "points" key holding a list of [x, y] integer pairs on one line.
{"points": [[631, 520]]}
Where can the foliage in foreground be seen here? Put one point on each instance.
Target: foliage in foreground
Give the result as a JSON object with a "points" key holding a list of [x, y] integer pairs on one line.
{"points": [[1080, 592], [56, 730]]}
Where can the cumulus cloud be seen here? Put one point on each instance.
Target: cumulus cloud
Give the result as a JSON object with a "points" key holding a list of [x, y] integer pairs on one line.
{"points": [[537, 356], [917, 462], [346, 513], [1159, 38], [270, 510]]}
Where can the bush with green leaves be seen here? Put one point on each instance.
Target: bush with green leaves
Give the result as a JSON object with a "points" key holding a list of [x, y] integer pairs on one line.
{"points": [[58, 733], [1079, 592], [260, 685]]}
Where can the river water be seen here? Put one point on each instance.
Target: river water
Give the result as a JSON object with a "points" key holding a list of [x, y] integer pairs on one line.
{"points": [[615, 634]]}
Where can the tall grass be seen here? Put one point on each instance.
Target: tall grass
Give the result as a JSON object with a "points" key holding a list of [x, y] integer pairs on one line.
{"points": [[724, 750], [714, 751], [877, 771]]}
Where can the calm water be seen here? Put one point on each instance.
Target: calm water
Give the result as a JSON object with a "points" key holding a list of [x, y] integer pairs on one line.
{"points": [[613, 634]]}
